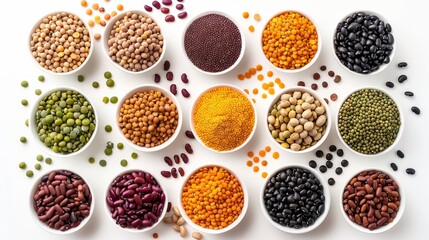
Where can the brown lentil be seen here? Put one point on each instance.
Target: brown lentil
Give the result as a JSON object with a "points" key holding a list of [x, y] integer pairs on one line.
{"points": [[334, 97], [324, 84], [331, 73], [316, 76]]}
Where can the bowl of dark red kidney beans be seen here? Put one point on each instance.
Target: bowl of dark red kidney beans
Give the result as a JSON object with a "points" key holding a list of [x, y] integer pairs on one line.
{"points": [[295, 199], [363, 42], [61, 202], [372, 201]]}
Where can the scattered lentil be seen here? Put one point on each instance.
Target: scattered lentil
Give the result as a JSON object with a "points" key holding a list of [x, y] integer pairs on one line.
{"points": [[37, 166], [91, 160], [29, 173], [95, 84], [124, 162], [276, 155], [22, 165], [134, 155], [38, 92], [102, 162], [108, 128], [114, 99]]}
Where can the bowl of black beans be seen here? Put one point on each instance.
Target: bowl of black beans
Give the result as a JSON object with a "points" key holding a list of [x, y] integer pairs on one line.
{"points": [[295, 199], [363, 42]]}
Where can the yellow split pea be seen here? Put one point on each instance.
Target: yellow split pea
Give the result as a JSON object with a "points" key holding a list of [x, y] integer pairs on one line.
{"points": [[223, 118], [290, 40]]}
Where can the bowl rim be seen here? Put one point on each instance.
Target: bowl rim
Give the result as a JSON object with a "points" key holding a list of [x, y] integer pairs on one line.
{"points": [[233, 224], [169, 95], [191, 118], [319, 220], [317, 97], [46, 227], [106, 37], [32, 122], [383, 65], [319, 42], [91, 49], [243, 41], [133, 230], [383, 228], [401, 127]]}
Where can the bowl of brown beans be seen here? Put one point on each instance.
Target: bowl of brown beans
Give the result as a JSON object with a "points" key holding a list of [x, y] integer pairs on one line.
{"points": [[298, 120], [60, 43], [134, 42], [61, 202], [136, 201], [149, 118], [213, 199], [291, 41], [372, 201]]}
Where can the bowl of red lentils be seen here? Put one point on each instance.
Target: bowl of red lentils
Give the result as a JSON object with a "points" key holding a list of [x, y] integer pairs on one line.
{"points": [[134, 42], [213, 199], [223, 118], [291, 41], [60, 43], [149, 118]]}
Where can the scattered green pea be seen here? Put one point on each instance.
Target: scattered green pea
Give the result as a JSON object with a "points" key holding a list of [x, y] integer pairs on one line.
{"points": [[24, 102], [108, 128], [134, 155], [124, 163], [22, 165], [38, 92], [102, 163], [95, 84], [41, 78], [110, 145], [23, 139], [26, 122], [91, 160], [48, 161], [39, 157], [108, 151], [24, 84], [29, 173], [105, 99], [110, 83], [120, 146], [114, 99], [37, 166], [107, 74], [80, 78]]}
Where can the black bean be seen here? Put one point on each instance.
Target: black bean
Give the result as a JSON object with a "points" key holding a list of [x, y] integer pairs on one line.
{"points": [[402, 64], [329, 156], [394, 167], [166, 65], [157, 78], [410, 171], [189, 134], [312, 164], [173, 89], [338, 170], [332, 148], [323, 169], [402, 78], [329, 164], [400, 154], [415, 110], [185, 93], [340, 152], [184, 78], [331, 181], [409, 93], [344, 163], [390, 84], [319, 153]]}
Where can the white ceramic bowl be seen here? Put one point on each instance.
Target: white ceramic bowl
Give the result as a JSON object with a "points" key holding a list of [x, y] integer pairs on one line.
{"points": [[383, 228], [212, 231], [243, 42], [106, 37], [142, 88], [382, 66], [32, 123], [313, 60], [318, 221], [398, 136], [316, 97], [91, 50], [46, 227], [192, 124], [134, 230]]}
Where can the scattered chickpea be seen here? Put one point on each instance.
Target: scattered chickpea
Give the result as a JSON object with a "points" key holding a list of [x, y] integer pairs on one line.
{"points": [[120, 7], [251, 28], [97, 36], [245, 14]]}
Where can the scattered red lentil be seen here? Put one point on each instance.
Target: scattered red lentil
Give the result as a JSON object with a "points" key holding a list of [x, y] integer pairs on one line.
{"points": [[251, 28], [255, 91], [252, 71], [240, 77], [334, 96], [265, 86], [91, 23], [107, 17], [262, 153], [246, 91], [248, 75], [257, 17], [120, 7], [270, 73], [114, 13], [249, 163], [264, 174], [97, 19], [260, 77], [95, 6], [245, 14], [155, 235], [271, 84], [250, 154], [259, 67], [255, 168], [253, 100], [84, 3], [267, 149], [276, 155], [264, 95], [281, 85], [88, 12], [264, 163], [271, 91], [277, 80], [255, 159]]}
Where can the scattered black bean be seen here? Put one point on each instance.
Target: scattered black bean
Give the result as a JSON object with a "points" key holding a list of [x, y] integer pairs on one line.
{"points": [[402, 64], [344, 163], [338, 170], [390, 84], [319, 153], [312, 164], [157, 78], [402, 78], [323, 169], [184, 78], [400, 154], [173, 89], [329, 164], [415, 110], [394, 167], [409, 93], [329, 156], [331, 181], [189, 134], [340, 152], [332, 148], [185, 93], [410, 171]]}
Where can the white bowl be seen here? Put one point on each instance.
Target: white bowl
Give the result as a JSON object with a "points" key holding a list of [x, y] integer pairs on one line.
{"points": [[142, 88], [32, 124], [383, 228], [134, 230], [243, 42], [316, 97], [106, 37], [91, 50], [398, 136], [46, 227], [383, 65], [318, 221], [227, 228], [319, 44], [191, 117]]}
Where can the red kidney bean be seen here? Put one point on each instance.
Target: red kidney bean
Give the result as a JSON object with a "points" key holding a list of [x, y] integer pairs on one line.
{"points": [[174, 172], [166, 174], [185, 93], [165, 10], [184, 78], [156, 4], [188, 148], [148, 8], [189, 134], [179, 6], [182, 15], [157, 78], [169, 75], [184, 157], [173, 89], [176, 159], [181, 171], [166, 63], [169, 18], [167, 2], [168, 161]]}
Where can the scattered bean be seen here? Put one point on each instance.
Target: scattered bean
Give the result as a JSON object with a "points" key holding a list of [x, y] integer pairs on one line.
{"points": [[415, 110], [344, 163], [410, 171], [400, 154], [323, 168], [22, 165], [402, 64], [188, 148], [338, 170], [124, 163], [189, 134], [390, 84], [173, 89], [394, 167], [148, 8], [185, 93], [312, 164], [29, 173], [409, 93], [170, 18], [182, 15], [169, 75], [331, 181], [319, 153]]}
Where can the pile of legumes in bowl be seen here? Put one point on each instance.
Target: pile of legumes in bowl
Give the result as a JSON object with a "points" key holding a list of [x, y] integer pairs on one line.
{"points": [[291, 41], [369, 121], [63, 122], [213, 199], [298, 120], [61, 202], [61, 43], [149, 118], [134, 42]]}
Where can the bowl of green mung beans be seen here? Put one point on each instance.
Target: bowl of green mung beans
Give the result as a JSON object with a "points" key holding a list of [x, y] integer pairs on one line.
{"points": [[369, 121], [63, 122]]}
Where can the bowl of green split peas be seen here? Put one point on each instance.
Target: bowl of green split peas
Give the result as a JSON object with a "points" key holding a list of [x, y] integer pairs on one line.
{"points": [[63, 122]]}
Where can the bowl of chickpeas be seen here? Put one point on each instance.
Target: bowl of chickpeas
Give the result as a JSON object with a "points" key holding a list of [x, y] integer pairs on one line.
{"points": [[291, 41]]}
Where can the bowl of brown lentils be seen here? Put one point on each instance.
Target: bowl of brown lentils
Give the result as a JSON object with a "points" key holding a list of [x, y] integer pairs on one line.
{"points": [[60, 43], [149, 118], [298, 120], [134, 42]]}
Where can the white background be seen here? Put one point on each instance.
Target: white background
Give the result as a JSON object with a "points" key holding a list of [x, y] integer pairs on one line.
{"points": [[409, 23]]}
